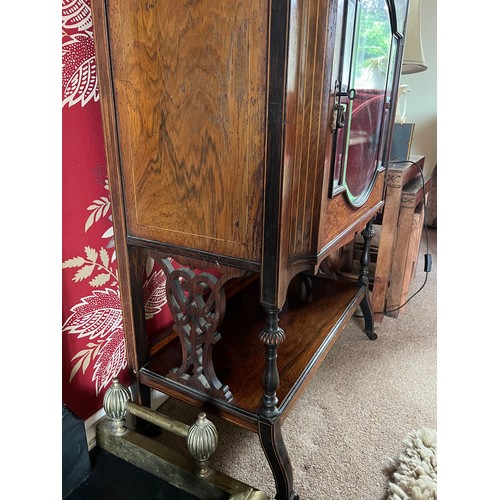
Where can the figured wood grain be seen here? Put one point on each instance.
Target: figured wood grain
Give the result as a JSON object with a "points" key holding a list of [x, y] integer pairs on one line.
{"points": [[190, 84]]}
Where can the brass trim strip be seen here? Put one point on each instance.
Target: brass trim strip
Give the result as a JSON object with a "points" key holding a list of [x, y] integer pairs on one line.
{"points": [[165, 422]]}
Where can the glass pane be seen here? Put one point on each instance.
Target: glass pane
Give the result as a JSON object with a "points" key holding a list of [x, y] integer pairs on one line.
{"points": [[400, 7], [368, 75], [342, 85]]}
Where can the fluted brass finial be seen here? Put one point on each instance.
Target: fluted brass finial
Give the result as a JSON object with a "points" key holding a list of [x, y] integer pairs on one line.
{"points": [[114, 405], [202, 440]]}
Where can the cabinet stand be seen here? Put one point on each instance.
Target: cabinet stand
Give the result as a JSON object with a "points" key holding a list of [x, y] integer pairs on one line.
{"points": [[213, 358]]}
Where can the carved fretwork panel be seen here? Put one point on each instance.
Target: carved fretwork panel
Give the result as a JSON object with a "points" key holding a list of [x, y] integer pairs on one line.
{"points": [[197, 303]]}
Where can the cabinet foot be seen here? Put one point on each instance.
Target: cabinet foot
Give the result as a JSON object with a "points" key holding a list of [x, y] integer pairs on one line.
{"points": [[277, 457]]}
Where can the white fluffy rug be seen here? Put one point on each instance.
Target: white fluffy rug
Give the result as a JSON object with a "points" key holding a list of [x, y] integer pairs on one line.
{"points": [[415, 477]]}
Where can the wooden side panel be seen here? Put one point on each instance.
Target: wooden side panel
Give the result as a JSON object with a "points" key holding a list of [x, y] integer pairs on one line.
{"points": [[190, 89], [310, 56]]}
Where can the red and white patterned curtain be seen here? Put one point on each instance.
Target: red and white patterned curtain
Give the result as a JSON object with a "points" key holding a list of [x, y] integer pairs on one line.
{"points": [[92, 330]]}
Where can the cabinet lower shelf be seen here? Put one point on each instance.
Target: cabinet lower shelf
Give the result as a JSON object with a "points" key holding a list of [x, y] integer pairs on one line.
{"points": [[316, 311]]}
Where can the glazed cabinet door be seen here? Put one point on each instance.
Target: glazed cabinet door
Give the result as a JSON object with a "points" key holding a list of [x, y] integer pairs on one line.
{"points": [[363, 88], [188, 88], [363, 92]]}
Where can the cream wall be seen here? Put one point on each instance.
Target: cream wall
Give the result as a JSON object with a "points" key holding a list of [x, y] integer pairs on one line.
{"points": [[422, 101]]}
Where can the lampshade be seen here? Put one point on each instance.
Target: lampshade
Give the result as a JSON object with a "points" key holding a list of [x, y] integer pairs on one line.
{"points": [[413, 56]]}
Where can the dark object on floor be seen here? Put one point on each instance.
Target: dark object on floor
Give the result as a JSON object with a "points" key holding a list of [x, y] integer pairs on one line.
{"points": [[115, 479], [75, 454]]}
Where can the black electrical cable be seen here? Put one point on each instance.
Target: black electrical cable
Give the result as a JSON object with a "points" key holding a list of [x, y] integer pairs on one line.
{"points": [[427, 257]]}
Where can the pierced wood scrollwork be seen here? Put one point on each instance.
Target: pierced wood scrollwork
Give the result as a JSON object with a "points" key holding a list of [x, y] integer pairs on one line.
{"points": [[197, 303]]}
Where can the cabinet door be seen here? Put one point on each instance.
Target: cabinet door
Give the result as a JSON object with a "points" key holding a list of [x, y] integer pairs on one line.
{"points": [[362, 89]]}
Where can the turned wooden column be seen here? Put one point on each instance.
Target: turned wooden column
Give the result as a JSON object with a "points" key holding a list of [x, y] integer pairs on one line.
{"points": [[269, 426]]}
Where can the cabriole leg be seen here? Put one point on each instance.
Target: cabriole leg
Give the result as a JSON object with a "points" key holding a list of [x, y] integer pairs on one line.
{"points": [[277, 457]]}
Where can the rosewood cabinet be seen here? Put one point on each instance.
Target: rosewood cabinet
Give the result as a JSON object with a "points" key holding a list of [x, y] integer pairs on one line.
{"points": [[246, 140]]}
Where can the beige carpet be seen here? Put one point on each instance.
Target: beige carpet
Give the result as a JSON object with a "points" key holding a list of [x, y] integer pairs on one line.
{"points": [[367, 396]]}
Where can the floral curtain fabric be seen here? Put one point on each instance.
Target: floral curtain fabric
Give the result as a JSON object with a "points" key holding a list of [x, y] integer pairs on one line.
{"points": [[93, 346]]}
